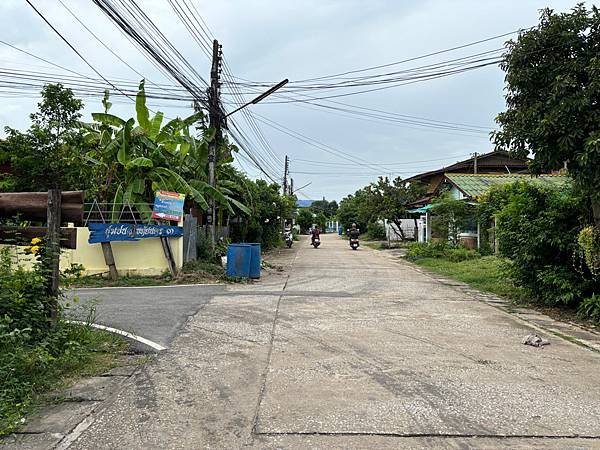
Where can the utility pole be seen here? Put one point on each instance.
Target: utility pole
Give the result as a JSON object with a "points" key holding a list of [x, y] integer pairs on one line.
{"points": [[475, 162], [291, 186], [215, 118], [286, 171]]}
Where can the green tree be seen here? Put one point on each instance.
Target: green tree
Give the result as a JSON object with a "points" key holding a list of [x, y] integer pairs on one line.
{"points": [[450, 217], [390, 197], [305, 219], [552, 91], [329, 209], [136, 161], [51, 153]]}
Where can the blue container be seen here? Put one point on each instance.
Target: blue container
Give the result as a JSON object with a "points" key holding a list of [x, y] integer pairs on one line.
{"points": [[238, 260], [255, 261]]}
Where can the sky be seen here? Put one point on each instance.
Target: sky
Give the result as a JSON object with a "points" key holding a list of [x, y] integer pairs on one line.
{"points": [[334, 151]]}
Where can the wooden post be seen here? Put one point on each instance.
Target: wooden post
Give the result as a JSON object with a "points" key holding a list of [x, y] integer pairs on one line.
{"points": [[496, 241], [109, 260], [166, 245], [53, 249]]}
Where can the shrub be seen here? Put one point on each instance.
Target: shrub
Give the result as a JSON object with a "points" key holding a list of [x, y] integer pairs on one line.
{"points": [[459, 254], [434, 249], [376, 231], [537, 230], [590, 308]]}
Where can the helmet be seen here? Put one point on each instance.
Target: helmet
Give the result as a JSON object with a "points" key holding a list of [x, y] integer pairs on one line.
{"points": [[353, 225]]}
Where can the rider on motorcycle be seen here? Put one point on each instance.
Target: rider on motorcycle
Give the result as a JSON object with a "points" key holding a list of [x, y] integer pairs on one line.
{"points": [[315, 234], [353, 232]]}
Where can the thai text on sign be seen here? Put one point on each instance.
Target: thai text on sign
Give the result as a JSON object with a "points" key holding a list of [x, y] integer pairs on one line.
{"points": [[108, 232]]}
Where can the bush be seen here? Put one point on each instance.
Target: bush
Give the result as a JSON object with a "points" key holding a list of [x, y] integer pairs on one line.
{"points": [[435, 249], [376, 231], [590, 308], [538, 229], [460, 254]]}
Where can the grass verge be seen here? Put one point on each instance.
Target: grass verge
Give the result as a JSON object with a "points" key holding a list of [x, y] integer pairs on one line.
{"points": [[483, 273], [29, 372]]}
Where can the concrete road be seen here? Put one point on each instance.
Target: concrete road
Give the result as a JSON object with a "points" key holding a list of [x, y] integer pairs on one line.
{"points": [[353, 350]]}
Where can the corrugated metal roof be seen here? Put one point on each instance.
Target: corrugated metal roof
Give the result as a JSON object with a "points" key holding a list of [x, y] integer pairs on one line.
{"points": [[474, 185]]}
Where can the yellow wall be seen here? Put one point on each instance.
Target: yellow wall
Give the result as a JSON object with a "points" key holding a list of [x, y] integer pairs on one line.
{"points": [[143, 257]]}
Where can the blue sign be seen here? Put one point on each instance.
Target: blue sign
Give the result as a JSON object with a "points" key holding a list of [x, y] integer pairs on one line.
{"points": [[108, 232]]}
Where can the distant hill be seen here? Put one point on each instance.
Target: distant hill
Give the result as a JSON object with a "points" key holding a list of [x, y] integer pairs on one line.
{"points": [[304, 203]]}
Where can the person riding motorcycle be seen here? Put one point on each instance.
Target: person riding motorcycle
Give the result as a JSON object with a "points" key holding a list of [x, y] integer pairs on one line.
{"points": [[353, 232], [315, 234]]}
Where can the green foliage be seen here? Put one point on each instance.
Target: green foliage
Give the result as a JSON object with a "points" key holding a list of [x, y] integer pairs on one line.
{"points": [[35, 351], [537, 229], [459, 254], [553, 86], [267, 206], [590, 308], [376, 231], [51, 153], [435, 249], [383, 199], [305, 219], [589, 246], [450, 217], [440, 249], [328, 209]]}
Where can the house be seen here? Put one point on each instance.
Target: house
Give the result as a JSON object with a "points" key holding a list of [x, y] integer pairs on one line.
{"points": [[496, 162], [468, 187]]}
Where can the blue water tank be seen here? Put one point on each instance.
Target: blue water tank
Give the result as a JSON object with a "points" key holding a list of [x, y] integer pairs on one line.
{"points": [[255, 261], [238, 260]]}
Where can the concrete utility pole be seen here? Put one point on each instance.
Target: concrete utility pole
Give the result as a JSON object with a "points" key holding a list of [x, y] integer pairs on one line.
{"points": [[286, 171], [215, 118], [475, 155]]}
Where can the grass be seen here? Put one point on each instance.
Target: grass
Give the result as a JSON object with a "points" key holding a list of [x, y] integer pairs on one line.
{"points": [[192, 272], [483, 273], [30, 372]]}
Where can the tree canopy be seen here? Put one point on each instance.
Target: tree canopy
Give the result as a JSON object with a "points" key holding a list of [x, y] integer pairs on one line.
{"points": [[553, 97]]}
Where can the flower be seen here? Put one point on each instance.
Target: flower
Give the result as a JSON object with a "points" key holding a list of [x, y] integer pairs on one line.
{"points": [[34, 249], [36, 241]]}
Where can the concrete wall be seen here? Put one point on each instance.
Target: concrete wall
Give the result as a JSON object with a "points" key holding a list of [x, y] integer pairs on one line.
{"points": [[143, 257]]}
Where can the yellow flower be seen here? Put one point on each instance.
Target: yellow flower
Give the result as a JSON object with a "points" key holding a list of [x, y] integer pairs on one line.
{"points": [[34, 249], [35, 241]]}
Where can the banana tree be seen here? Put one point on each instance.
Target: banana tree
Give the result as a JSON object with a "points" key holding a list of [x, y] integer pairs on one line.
{"points": [[137, 160]]}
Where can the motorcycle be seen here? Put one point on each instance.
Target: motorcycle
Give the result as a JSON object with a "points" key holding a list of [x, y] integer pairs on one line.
{"points": [[354, 243], [289, 238], [316, 242]]}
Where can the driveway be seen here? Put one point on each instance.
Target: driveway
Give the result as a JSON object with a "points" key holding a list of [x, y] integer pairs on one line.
{"points": [[352, 350]]}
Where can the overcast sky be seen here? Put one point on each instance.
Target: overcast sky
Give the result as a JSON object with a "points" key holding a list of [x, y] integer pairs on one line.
{"points": [[269, 40]]}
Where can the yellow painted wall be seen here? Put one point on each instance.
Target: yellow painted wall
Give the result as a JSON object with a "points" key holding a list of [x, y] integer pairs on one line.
{"points": [[143, 257]]}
